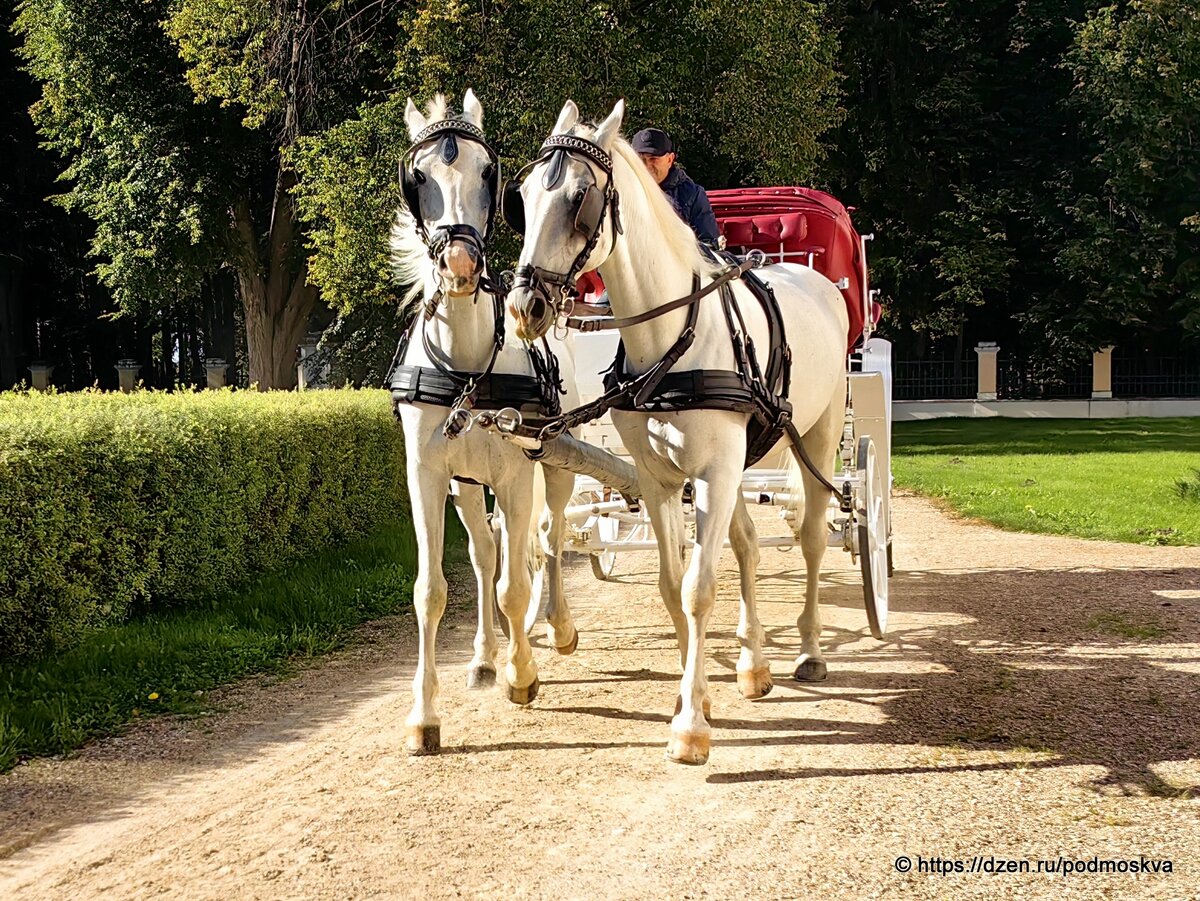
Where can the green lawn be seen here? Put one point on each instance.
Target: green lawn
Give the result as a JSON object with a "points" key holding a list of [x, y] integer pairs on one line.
{"points": [[1134, 480], [166, 661]]}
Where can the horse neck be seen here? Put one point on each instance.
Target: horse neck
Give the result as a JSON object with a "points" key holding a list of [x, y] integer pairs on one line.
{"points": [[463, 330], [637, 285]]}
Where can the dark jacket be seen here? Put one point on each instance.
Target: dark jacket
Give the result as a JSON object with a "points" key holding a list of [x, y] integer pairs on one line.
{"points": [[692, 204]]}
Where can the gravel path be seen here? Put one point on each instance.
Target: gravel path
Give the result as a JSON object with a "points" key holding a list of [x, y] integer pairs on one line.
{"points": [[1037, 698]]}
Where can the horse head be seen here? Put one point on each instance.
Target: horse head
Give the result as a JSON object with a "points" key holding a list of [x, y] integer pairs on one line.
{"points": [[565, 204], [450, 181]]}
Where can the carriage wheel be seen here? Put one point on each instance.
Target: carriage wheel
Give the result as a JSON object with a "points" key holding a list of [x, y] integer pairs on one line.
{"points": [[873, 549], [603, 563]]}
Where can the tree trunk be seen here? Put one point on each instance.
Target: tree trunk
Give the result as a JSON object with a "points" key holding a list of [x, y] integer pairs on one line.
{"points": [[275, 298]]}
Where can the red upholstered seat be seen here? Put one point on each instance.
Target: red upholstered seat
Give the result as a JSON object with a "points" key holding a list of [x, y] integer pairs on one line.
{"points": [[794, 227], [790, 223], [738, 232], [767, 228]]}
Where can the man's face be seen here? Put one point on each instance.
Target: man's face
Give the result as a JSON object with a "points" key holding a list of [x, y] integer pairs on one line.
{"points": [[659, 166]]}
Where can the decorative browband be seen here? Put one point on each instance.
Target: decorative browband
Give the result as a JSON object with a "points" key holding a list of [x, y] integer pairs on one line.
{"points": [[455, 125], [578, 145]]}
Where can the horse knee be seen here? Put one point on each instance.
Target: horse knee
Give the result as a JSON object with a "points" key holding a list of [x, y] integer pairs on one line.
{"points": [[513, 595], [430, 591], [700, 593]]}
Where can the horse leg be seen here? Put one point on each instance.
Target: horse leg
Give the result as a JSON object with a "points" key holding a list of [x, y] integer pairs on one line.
{"points": [[664, 505], [560, 628], [515, 497], [427, 495], [821, 444], [716, 496], [753, 671], [469, 503]]}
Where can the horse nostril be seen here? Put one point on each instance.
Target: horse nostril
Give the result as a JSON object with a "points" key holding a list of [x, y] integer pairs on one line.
{"points": [[537, 309]]}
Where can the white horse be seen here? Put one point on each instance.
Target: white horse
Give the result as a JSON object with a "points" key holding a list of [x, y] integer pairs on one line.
{"points": [[453, 185], [649, 262]]}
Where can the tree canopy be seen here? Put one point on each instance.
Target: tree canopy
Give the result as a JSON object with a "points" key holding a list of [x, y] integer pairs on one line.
{"points": [[1029, 166]]}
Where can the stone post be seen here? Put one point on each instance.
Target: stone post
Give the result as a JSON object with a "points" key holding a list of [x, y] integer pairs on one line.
{"points": [[40, 375], [307, 349], [127, 372], [1102, 373], [987, 351], [215, 369]]}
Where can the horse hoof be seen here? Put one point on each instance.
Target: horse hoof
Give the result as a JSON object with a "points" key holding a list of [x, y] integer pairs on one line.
{"points": [[569, 648], [481, 676], [811, 670], [688, 747], [524, 695], [755, 683], [707, 707], [422, 740]]}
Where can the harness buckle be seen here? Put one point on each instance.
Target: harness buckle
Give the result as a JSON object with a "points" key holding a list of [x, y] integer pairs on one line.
{"points": [[758, 257], [551, 430], [508, 420], [459, 422]]}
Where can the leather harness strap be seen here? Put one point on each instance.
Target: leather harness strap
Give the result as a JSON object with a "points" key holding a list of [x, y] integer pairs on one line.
{"points": [[608, 324]]}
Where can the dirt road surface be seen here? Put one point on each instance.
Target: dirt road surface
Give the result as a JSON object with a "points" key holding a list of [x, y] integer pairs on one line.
{"points": [[1037, 699]]}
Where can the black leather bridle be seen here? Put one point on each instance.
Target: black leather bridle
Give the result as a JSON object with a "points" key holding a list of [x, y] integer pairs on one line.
{"points": [[448, 132], [592, 206], [461, 390]]}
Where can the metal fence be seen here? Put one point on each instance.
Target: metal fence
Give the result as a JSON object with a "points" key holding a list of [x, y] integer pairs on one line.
{"points": [[1144, 376], [935, 379], [1019, 379]]}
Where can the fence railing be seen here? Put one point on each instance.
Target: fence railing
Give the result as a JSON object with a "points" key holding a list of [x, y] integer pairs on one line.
{"points": [[992, 374], [1156, 376], [935, 379], [1018, 379]]}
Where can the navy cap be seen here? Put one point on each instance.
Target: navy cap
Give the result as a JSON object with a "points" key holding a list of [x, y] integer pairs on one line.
{"points": [[652, 142]]}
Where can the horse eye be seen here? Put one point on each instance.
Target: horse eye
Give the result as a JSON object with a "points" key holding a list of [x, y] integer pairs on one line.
{"points": [[488, 171], [577, 197], [419, 176]]}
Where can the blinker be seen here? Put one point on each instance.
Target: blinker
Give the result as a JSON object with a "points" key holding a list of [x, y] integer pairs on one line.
{"points": [[512, 206]]}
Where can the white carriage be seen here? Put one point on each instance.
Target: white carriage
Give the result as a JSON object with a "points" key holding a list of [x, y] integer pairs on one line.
{"points": [[796, 225]]}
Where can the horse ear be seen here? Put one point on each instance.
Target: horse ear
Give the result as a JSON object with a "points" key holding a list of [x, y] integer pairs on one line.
{"points": [[567, 118], [414, 119], [607, 131], [472, 108]]}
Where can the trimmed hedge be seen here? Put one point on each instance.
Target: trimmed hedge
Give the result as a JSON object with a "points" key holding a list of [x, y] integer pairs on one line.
{"points": [[112, 503]]}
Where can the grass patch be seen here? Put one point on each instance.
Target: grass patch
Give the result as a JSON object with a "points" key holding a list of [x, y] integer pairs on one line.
{"points": [[165, 661], [1132, 480], [1123, 627]]}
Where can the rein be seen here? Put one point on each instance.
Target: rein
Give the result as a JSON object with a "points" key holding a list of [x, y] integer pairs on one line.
{"points": [[610, 324]]}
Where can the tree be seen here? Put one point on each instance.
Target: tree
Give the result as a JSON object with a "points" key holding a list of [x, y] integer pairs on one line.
{"points": [[175, 122], [736, 117], [1137, 87]]}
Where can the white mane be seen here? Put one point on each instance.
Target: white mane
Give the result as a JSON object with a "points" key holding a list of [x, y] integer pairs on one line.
{"points": [[411, 264]]}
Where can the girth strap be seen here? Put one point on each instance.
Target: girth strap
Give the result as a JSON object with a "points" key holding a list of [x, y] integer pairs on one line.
{"points": [[422, 385]]}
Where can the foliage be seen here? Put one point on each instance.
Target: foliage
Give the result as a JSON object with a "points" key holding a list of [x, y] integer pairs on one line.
{"points": [[114, 503], [1137, 72], [153, 168], [1114, 479], [691, 74], [955, 146], [167, 661]]}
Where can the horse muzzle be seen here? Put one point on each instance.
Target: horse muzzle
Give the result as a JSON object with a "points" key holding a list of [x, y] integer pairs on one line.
{"points": [[533, 309], [460, 265]]}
